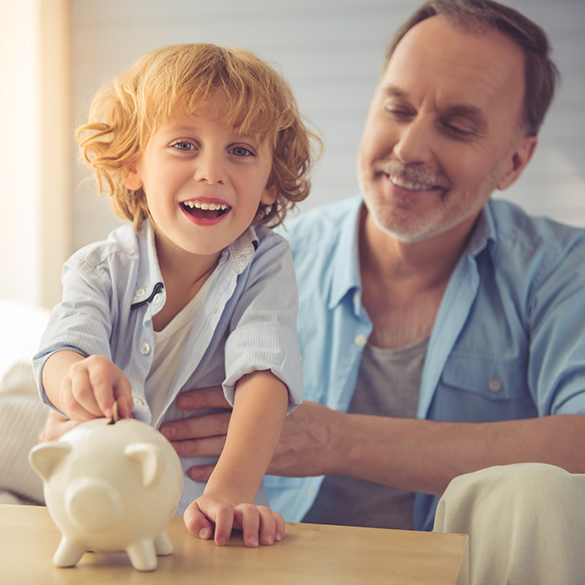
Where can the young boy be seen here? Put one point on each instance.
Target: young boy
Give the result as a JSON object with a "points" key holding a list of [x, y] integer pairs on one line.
{"points": [[200, 147]]}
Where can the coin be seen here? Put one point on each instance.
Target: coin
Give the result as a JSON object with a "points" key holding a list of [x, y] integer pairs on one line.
{"points": [[115, 414]]}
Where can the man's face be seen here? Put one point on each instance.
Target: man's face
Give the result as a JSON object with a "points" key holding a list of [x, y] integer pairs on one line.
{"points": [[443, 131]]}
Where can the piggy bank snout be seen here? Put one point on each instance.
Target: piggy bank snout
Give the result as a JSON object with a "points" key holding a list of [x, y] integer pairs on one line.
{"points": [[93, 504]]}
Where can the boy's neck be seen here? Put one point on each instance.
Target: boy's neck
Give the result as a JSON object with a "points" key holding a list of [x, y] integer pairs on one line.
{"points": [[184, 275]]}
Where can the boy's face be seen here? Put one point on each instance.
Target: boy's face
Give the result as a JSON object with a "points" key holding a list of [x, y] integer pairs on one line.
{"points": [[203, 184]]}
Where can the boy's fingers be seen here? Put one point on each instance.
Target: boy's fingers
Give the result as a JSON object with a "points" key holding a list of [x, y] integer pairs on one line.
{"points": [[249, 517], [76, 412], [224, 522], [267, 525], [101, 380], [197, 523], [123, 394], [280, 526], [77, 396]]}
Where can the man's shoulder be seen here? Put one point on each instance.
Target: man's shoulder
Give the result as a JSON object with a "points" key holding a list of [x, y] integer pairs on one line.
{"points": [[517, 228], [321, 226], [530, 251]]}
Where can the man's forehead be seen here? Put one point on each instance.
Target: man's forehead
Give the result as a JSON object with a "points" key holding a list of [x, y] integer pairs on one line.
{"points": [[469, 65]]}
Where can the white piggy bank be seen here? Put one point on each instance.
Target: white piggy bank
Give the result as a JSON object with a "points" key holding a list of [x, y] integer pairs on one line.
{"points": [[110, 487]]}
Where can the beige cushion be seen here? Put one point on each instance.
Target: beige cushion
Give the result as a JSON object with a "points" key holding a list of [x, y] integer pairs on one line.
{"points": [[22, 414]]}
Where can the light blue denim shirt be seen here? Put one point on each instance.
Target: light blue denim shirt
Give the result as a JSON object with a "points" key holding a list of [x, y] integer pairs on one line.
{"points": [[508, 341], [246, 322]]}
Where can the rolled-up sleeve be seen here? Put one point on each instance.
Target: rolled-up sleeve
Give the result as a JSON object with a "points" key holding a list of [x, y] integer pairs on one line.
{"points": [[263, 327]]}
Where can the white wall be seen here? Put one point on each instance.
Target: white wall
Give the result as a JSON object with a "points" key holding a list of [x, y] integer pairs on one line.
{"points": [[35, 222], [19, 156], [331, 51]]}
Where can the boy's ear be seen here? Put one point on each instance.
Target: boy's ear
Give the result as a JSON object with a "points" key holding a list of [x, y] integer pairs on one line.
{"points": [[269, 194], [131, 176]]}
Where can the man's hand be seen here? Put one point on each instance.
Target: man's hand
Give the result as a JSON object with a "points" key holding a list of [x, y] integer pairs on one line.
{"points": [[55, 427], [304, 449], [228, 509], [200, 436]]}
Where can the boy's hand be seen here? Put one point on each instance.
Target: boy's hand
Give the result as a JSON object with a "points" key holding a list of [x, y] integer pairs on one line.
{"points": [[91, 387], [226, 509]]}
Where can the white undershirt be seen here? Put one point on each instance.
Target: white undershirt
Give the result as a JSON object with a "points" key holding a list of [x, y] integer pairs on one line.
{"points": [[169, 345]]}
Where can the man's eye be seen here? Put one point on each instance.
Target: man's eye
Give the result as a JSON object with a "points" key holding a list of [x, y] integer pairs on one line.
{"points": [[241, 151], [458, 131], [183, 145], [398, 114]]}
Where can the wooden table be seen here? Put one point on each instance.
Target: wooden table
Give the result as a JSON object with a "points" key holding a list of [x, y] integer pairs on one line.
{"points": [[308, 554]]}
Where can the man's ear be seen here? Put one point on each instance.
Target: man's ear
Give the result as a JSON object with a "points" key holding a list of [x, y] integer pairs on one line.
{"points": [[519, 158], [131, 176]]}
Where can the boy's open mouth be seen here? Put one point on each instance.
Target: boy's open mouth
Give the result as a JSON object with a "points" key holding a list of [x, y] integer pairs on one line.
{"points": [[205, 210]]}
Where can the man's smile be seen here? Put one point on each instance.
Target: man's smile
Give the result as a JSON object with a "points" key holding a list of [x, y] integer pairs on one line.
{"points": [[409, 185]]}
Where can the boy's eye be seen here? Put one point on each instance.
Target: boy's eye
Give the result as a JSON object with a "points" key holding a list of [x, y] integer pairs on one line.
{"points": [[241, 151], [183, 145]]}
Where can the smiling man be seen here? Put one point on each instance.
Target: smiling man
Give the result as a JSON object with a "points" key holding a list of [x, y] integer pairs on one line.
{"points": [[437, 326]]}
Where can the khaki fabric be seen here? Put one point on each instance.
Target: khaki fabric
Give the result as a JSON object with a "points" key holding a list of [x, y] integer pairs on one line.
{"points": [[526, 524]]}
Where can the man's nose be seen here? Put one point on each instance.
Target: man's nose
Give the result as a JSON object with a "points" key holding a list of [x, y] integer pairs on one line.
{"points": [[414, 144], [210, 167]]}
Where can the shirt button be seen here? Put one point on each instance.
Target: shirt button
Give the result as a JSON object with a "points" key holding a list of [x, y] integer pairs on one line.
{"points": [[356, 297], [140, 292], [495, 385], [145, 349], [157, 299], [360, 340], [310, 493], [138, 401]]}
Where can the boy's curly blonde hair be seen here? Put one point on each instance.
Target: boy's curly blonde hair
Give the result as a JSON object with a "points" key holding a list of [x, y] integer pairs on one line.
{"points": [[261, 104]]}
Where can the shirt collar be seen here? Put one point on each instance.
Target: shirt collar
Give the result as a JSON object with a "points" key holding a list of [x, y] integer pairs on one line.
{"points": [[346, 274], [241, 251], [150, 280], [484, 233]]}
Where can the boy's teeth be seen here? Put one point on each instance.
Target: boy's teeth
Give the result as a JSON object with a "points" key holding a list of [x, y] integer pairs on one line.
{"points": [[206, 206]]}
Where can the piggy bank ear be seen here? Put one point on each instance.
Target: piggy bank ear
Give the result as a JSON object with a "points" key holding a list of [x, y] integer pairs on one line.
{"points": [[45, 457], [150, 459]]}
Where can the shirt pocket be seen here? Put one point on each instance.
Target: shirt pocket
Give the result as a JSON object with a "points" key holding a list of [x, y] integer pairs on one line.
{"points": [[483, 388]]}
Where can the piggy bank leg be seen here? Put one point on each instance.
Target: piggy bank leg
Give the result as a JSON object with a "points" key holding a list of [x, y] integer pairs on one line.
{"points": [[162, 545], [68, 553], [142, 555]]}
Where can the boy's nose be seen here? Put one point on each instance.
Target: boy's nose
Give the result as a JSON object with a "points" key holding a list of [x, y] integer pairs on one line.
{"points": [[210, 168]]}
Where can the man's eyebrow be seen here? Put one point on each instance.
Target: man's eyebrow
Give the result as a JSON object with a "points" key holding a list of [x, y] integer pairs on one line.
{"points": [[394, 91]]}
